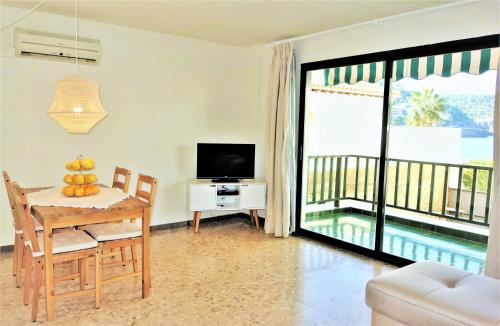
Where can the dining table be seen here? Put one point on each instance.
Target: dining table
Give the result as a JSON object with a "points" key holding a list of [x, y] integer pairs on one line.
{"points": [[54, 217]]}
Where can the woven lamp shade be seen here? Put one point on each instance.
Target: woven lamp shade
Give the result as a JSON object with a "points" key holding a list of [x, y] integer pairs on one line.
{"points": [[77, 105]]}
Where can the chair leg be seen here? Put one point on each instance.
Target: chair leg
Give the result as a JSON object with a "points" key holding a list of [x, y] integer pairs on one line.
{"points": [[20, 259], [14, 254], [27, 276], [87, 273], [98, 278], [124, 255], [81, 271], [134, 258], [36, 288]]}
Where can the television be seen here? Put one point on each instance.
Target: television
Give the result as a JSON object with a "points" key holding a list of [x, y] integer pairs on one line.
{"points": [[225, 162]]}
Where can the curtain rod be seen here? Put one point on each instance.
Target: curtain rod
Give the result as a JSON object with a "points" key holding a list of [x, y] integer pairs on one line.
{"points": [[373, 21]]}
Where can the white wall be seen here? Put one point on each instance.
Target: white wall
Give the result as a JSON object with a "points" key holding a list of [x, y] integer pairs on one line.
{"points": [[163, 94], [466, 21]]}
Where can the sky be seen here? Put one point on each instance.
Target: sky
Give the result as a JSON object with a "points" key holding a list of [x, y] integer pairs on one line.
{"points": [[460, 83]]}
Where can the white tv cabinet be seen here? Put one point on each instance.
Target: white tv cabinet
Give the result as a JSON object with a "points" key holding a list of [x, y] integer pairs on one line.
{"points": [[205, 195]]}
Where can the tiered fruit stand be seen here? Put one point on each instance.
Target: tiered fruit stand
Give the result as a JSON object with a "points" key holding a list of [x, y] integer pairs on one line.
{"points": [[80, 184]]}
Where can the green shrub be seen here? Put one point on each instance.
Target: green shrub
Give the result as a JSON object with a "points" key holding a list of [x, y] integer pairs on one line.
{"points": [[481, 178]]}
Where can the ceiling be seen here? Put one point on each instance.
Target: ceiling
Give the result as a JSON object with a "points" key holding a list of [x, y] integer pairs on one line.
{"points": [[240, 23]]}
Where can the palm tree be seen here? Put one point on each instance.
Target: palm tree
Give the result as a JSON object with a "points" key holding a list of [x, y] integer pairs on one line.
{"points": [[427, 110]]}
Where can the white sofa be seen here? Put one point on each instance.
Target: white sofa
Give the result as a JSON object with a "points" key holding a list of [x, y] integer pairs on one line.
{"points": [[431, 294]]}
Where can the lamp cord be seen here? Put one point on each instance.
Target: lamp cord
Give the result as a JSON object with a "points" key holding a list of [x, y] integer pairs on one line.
{"points": [[76, 37], [24, 16]]}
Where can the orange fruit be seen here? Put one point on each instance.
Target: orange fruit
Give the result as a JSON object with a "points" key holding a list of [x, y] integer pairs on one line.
{"points": [[68, 178], [87, 164], [88, 190], [95, 189], [76, 165], [78, 179], [69, 166], [68, 191], [90, 178], [79, 192]]}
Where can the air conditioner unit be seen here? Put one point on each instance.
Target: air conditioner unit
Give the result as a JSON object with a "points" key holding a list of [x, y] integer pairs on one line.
{"points": [[53, 46]]}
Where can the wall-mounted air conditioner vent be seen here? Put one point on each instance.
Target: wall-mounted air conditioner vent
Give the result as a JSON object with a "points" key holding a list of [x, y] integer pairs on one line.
{"points": [[52, 46]]}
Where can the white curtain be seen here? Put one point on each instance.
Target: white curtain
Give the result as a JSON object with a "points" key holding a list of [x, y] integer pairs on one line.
{"points": [[492, 267], [281, 149]]}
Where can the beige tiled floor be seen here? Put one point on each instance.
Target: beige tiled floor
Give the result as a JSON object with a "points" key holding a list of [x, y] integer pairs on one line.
{"points": [[228, 274]]}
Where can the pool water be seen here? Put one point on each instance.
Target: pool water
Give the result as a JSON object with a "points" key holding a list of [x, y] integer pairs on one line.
{"points": [[400, 240]]}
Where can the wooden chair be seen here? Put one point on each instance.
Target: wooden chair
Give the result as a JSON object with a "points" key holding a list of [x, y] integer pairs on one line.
{"points": [[122, 185], [18, 253], [124, 174], [18, 230], [68, 246], [122, 235]]}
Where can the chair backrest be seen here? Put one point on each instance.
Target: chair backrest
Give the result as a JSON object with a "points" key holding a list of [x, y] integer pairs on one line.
{"points": [[123, 185], [148, 196], [27, 221], [12, 201], [8, 186]]}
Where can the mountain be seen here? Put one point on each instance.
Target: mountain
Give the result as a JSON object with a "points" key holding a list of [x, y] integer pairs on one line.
{"points": [[472, 113]]}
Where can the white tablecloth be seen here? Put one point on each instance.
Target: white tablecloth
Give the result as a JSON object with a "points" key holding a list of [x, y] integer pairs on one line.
{"points": [[53, 197]]}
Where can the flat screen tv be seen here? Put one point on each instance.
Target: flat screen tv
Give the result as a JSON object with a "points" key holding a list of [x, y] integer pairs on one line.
{"points": [[225, 162]]}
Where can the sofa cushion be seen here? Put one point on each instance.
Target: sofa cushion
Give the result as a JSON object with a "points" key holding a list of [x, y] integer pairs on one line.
{"points": [[430, 293]]}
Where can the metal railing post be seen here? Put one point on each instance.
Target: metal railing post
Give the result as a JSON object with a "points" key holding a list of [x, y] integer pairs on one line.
{"points": [[337, 181]]}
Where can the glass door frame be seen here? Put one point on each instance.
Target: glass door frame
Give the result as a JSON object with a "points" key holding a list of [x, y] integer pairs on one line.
{"points": [[389, 57]]}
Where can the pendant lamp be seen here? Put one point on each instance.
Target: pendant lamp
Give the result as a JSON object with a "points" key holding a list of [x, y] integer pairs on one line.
{"points": [[77, 105]]}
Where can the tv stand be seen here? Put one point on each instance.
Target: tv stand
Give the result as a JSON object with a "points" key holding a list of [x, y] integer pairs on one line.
{"points": [[206, 195], [225, 180]]}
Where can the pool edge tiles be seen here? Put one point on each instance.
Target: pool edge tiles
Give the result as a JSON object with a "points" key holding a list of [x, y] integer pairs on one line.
{"points": [[400, 239]]}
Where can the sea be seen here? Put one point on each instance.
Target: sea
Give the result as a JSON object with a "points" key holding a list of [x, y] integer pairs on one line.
{"points": [[476, 148]]}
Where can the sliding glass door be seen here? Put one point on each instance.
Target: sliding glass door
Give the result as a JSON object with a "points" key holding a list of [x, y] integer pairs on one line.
{"points": [[440, 158], [341, 151], [411, 129]]}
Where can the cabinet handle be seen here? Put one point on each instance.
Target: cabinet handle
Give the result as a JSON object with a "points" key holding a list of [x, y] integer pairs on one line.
{"points": [[244, 185], [213, 186]]}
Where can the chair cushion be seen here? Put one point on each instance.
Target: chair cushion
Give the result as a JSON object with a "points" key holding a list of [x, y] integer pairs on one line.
{"points": [[38, 226], [65, 241], [114, 231], [430, 293]]}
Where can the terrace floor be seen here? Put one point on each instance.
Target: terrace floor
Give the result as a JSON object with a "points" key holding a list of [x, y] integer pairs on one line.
{"points": [[399, 239]]}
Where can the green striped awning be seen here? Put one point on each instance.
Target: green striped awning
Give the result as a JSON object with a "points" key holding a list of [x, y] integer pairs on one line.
{"points": [[369, 72], [472, 62]]}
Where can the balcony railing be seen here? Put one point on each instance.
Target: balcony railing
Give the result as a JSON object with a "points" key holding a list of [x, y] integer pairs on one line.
{"points": [[452, 191]]}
